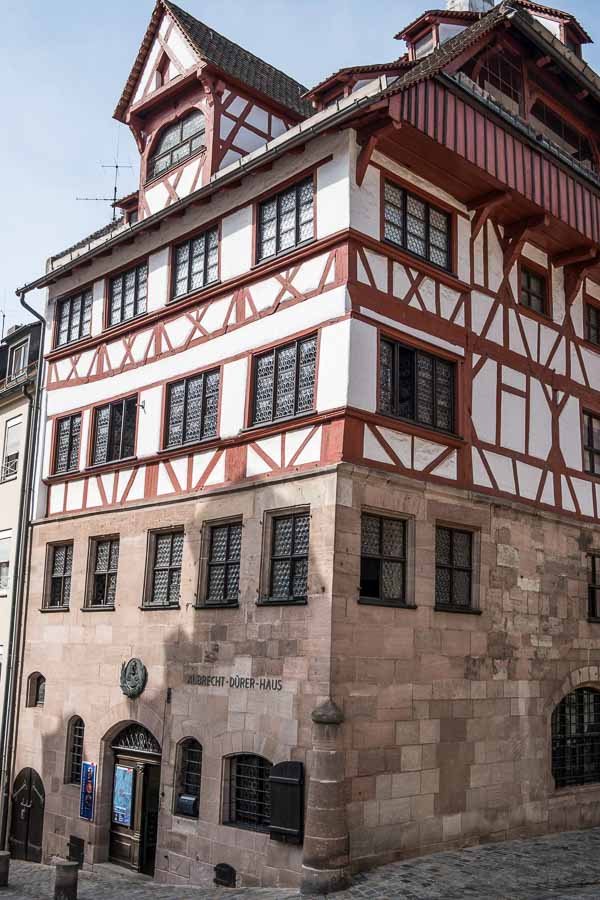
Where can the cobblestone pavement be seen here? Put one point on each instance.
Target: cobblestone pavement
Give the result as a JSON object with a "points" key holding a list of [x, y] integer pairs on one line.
{"points": [[559, 867]]}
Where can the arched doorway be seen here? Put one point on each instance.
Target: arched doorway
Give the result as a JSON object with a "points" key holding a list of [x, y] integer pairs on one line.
{"points": [[27, 819], [135, 799]]}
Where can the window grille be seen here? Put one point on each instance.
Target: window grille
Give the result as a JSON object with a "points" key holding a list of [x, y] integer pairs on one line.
{"points": [[416, 226], [591, 443], [223, 583], [286, 220], [416, 386], [383, 560], [576, 739], [453, 568], [77, 731], [114, 431], [284, 381], [68, 437], [593, 586], [166, 568], [137, 738], [61, 562], [289, 558], [128, 294], [534, 291], [592, 323], [192, 409], [74, 317], [503, 79], [106, 563], [190, 774], [177, 142], [250, 792], [196, 263]]}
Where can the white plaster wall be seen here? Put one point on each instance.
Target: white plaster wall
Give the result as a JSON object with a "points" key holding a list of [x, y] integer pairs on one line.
{"points": [[236, 243], [334, 366], [333, 194], [234, 379], [98, 302], [570, 434], [158, 279], [362, 391], [365, 201], [149, 417]]}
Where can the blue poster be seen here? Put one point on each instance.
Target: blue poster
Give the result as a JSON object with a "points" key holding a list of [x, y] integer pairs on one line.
{"points": [[88, 790], [123, 796]]}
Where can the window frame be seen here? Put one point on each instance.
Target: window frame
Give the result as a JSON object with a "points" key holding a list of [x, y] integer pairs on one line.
{"points": [[167, 408], [475, 535], [5, 475], [47, 605], [35, 682], [230, 793], [587, 448], [23, 344], [151, 175], [277, 349], [181, 782], [407, 560], [529, 268], [75, 750], [591, 304], [194, 236], [151, 568], [575, 747], [295, 182], [90, 591], [205, 562], [431, 203], [6, 536], [60, 303], [94, 421], [265, 597], [55, 442], [593, 585], [121, 274]]}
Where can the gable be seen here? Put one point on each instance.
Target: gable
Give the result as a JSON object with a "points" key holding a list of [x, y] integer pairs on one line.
{"points": [[169, 57]]}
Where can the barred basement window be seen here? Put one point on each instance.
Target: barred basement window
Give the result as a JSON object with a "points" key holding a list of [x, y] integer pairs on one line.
{"points": [[592, 323], [286, 220], [453, 568], [576, 739], [189, 778], [416, 386], [114, 431], [383, 560], [534, 291], [128, 294], [104, 578], [68, 436], [167, 555], [288, 582], [416, 226], [59, 586], [177, 142], [591, 443], [250, 792], [223, 582], [593, 586], [75, 750], [192, 409], [284, 381], [196, 263], [74, 317]]}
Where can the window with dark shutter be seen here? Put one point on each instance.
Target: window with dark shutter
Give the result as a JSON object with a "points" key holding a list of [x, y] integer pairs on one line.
{"points": [[576, 739], [534, 291], [114, 431], [196, 263], [453, 568], [416, 386], [223, 579], [286, 220], [591, 443], [288, 581], [103, 586], [287, 802], [76, 733], [59, 577], [68, 436], [383, 560], [166, 558], [74, 317], [416, 226], [192, 409], [128, 294], [249, 792], [284, 381]]}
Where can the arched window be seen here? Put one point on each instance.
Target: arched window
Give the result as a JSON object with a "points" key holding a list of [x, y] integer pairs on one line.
{"points": [[249, 792], [177, 142], [36, 689], [576, 738], [189, 777], [75, 750]]}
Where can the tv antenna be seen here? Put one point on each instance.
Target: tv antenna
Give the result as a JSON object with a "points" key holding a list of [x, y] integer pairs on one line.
{"points": [[117, 167]]}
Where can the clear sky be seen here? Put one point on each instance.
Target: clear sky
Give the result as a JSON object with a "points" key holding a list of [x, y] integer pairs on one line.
{"points": [[62, 69]]}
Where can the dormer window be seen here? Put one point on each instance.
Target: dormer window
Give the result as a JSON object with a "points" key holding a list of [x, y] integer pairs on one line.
{"points": [[176, 143], [424, 46]]}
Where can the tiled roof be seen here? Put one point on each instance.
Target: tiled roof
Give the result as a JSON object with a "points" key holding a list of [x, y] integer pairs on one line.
{"points": [[400, 63], [95, 236], [539, 7], [465, 15]]}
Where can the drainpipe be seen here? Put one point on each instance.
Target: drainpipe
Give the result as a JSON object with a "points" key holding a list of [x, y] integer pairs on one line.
{"points": [[15, 647]]}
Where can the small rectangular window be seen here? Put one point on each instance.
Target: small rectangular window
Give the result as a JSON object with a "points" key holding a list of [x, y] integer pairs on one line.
{"points": [[223, 566], [68, 436], [383, 560], [74, 317], [196, 263], [416, 226], [453, 568], [284, 381], [593, 586], [286, 220], [12, 446], [114, 431], [192, 409], [166, 550], [592, 323], [416, 386], [17, 360], [105, 561], [288, 569], [128, 294], [591, 443], [4, 564], [59, 577], [534, 291]]}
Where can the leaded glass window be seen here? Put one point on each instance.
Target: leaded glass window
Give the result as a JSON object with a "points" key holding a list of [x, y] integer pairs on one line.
{"points": [[591, 443], [128, 294], [284, 381], [192, 409], [593, 561], [76, 735], [250, 792], [165, 589], [114, 431], [289, 558], [286, 220], [453, 568], [74, 317], [383, 560], [177, 142], [416, 386], [534, 291], [592, 323], [196, 263], [104, 581], [61, 563], [223, 584], [576, 739], [190, 768], [68, 436], [416, 226]]}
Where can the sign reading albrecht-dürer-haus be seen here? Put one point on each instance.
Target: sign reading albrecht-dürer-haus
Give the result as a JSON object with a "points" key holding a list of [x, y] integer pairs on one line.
{"points": [[235, 681]]}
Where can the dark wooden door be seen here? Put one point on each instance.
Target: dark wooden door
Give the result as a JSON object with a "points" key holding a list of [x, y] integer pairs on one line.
{"points": [[150, 817], [27, 821]]}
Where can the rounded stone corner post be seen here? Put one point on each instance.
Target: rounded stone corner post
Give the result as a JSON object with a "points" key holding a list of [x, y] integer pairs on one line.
{"points": [[325, 862], [4, 867], [65, 883]]}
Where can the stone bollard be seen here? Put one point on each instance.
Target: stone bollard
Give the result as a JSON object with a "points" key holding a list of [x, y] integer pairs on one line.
{"points": [[4, 867], [65, 883]]}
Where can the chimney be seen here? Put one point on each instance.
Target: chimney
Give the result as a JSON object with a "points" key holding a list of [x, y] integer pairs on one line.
{"points": [[479, 6]]}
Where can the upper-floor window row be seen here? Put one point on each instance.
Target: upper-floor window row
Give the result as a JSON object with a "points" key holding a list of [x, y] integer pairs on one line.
{"points": [[74, 317], [177, 142], [128, 294], [417, 226]]}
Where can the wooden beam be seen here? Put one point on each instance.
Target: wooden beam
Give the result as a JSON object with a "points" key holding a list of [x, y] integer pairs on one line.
{"points": [[575, 275], [484, 206], [543, 61], [574, 255], [533, 223], [364, 158], [516, 235], [582, 94]]}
